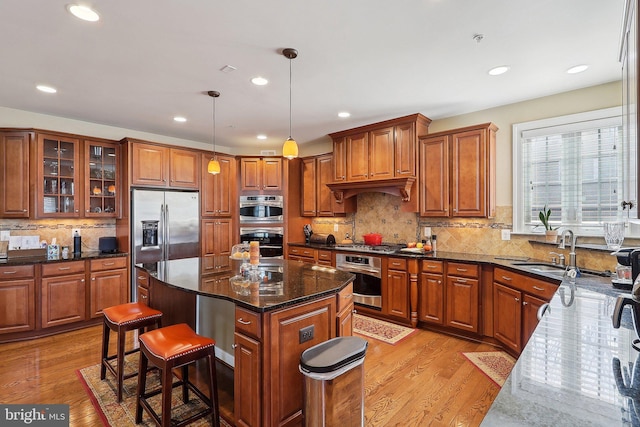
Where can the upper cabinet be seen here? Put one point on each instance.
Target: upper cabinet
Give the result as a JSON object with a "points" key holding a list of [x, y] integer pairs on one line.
{"points": [[217, 192], [457, 172], [379, 151], [261, 174], [162, 166], [317, 198], [58, 173], [14, 173], [102, 179]]}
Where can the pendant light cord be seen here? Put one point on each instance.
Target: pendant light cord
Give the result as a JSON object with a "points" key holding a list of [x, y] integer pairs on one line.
{"points": [[290, 104], [214, 127]]}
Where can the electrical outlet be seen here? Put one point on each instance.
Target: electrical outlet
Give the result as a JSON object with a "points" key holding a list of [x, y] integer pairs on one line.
{"points": [[74, 231], [306, 334], [335, 227], [427, 232], [506, 234]]}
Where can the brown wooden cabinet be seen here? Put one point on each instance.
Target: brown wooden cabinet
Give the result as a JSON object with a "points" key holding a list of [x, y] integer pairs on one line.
{"points": [[302, 254], [462, 296], [309, 185], [142, 283], [516, 300], [339, 159], [317, 198], [58, 183], [216, 243], [261, 174], [63, 293], [431, 293], [247, 372], [395, 301], [108, 284], [17, 299], [162, 166], [217, 192], [457, 172], [14, 174], [324, 257], [344, 308], [102, 179]]}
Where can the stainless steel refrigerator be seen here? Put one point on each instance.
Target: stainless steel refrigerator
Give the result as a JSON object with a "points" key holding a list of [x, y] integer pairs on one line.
{"points": [[164, 225]]}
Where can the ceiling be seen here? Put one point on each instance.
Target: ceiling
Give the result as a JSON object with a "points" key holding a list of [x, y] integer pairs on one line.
{"points": [[147, 61]]}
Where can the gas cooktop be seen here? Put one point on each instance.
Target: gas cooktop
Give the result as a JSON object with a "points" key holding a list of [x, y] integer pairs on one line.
{"points": [[379, 249]]}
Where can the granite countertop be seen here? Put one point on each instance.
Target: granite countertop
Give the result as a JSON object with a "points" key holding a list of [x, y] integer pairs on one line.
{"points": [[44, 260], [283, 283]]}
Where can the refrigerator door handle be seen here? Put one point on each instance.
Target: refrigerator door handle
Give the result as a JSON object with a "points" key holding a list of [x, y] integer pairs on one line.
{"points": [[166, 231], [163, 225]]}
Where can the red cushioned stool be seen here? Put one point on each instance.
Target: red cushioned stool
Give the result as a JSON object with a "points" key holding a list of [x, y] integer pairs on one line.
{"points": [[120, 319], [171, 347]]}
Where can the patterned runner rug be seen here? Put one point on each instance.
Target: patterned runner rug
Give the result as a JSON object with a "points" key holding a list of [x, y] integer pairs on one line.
{"points": [[114, 414], [494, 364], [379, 329]]}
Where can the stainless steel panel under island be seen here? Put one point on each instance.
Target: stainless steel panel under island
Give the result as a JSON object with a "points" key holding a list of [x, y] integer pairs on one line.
{"points": [[298, 306]]}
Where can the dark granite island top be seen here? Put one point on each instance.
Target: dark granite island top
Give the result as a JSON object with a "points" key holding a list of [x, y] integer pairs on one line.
{"points": [[576, 370], [287, 282]]}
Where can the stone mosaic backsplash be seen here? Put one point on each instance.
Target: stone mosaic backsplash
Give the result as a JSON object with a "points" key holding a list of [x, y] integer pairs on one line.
{"points": [[62, 230]]}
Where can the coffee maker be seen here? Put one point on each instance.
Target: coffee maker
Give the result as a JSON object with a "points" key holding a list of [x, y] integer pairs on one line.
{"points": [[627, 269], [632, 258]]}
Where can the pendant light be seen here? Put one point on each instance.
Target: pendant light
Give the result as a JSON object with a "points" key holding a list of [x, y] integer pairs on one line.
{"points": [[290, 147], [214, 166]]}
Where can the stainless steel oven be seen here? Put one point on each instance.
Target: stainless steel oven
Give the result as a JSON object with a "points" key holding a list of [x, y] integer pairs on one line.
{"points": [[367, 287], [261, 209], [270, 239]]}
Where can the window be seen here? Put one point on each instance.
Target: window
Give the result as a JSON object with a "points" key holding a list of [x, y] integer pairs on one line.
{"points": [[579, 166]]}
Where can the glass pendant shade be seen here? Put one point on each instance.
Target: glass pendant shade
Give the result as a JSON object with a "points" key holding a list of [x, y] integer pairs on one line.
{"points": [[214, 166], [290, 149]]}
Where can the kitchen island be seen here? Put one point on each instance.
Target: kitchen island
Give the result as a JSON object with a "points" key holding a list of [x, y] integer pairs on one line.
{"points": [[298, 306]]}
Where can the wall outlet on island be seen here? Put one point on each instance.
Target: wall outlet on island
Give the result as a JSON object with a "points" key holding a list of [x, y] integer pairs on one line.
{"points": [[74, 231]]}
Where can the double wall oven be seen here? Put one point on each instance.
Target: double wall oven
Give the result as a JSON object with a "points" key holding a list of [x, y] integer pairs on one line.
{"points": [[261, 220]]}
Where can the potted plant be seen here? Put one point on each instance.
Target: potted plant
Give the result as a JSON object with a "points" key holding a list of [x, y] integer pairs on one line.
{"points": [[551, 234]]}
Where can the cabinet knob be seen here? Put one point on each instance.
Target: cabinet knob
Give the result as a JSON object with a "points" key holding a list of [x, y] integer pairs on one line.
{"points": [[143, 296], [234, 346], [24, 210], [517, 299], [93, 279], [77, 211], [524, 303]]}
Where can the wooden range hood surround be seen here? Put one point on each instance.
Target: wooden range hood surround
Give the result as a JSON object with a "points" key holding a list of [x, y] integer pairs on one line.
{"points": [[394, 186]]}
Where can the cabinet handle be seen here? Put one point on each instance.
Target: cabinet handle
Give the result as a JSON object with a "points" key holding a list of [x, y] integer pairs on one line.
{"points": [[243, 322], [234, 346], [106, 264], [82, 280], [507, 278], [461, 269], [143, 296], [524, 303], [538, 288], [141, 277], [93, 279], [24, 210], [77, 211], [64, 268], [397, 170], [348, 296], [517, 299], [439, 282], [461, 280], [10, 272]]}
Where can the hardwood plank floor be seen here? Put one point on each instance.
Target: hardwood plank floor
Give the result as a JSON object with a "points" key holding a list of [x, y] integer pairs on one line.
{"points": [[423, 380]]}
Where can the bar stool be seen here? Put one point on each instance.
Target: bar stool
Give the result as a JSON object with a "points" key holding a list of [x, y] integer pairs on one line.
{"points": [[171, 347], [120, 319]]}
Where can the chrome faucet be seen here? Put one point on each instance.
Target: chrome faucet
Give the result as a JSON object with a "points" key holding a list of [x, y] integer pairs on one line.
{"points": [[561, 259], [572, 254]]}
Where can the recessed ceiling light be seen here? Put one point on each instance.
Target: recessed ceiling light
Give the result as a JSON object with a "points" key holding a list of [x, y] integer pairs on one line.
{"points": [[344, 114], [46, 89], [259, 81], [577, 69], [499, 70], [83, 12], [262, 136], [180, 119]]}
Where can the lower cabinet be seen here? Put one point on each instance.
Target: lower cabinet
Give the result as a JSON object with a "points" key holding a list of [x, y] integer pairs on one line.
{"points": [[516, 300], [344, 308], [298, 253], [63, 293], [108, 284], [395, 301], [462, 296], [142, 283], [17, 299], [431, 293]]}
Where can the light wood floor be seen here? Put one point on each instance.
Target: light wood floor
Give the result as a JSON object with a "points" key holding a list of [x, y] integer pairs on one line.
{"points": [[422, 381]]}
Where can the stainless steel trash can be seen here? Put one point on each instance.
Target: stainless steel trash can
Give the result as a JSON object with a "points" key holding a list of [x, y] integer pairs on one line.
{"points": [[334, 382]]}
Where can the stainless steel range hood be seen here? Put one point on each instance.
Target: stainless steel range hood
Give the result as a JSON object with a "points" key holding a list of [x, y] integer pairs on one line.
{"points": [[395, 186]]}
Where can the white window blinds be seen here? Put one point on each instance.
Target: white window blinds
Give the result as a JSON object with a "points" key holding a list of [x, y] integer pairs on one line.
{"points": [[578, 166]]}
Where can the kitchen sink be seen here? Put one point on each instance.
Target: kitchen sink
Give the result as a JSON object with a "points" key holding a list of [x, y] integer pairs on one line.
{"points": [[541, 267]]}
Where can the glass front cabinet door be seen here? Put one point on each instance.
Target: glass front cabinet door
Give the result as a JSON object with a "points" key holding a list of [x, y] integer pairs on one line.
{"points": [[101, 179], [59, 176]]}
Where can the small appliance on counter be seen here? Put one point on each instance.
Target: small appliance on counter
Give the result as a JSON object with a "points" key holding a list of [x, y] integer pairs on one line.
{"points": [[307, 232], [627, 269], [108, 245], [323, 239]]}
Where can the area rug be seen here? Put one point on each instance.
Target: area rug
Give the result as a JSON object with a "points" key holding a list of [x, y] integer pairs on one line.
{"points": [[114, 414], [379, 329], [494, 364]]}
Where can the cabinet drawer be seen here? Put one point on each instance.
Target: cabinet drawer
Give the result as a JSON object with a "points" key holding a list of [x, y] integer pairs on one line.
{"points": [[142, 278], [108, 263], [397, 264], [345, 297], [530, 285], [143, 295], [17, 272], [60, 268], [302, 252], [429, 266], [462, 270], [248, 322], [324, 256]]}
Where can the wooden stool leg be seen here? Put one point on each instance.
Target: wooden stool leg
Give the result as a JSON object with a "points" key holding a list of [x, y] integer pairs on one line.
{"points": [[213, 390], [120, 361], [167, 387], [142, 385], [105, 349], [185, 383]]}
